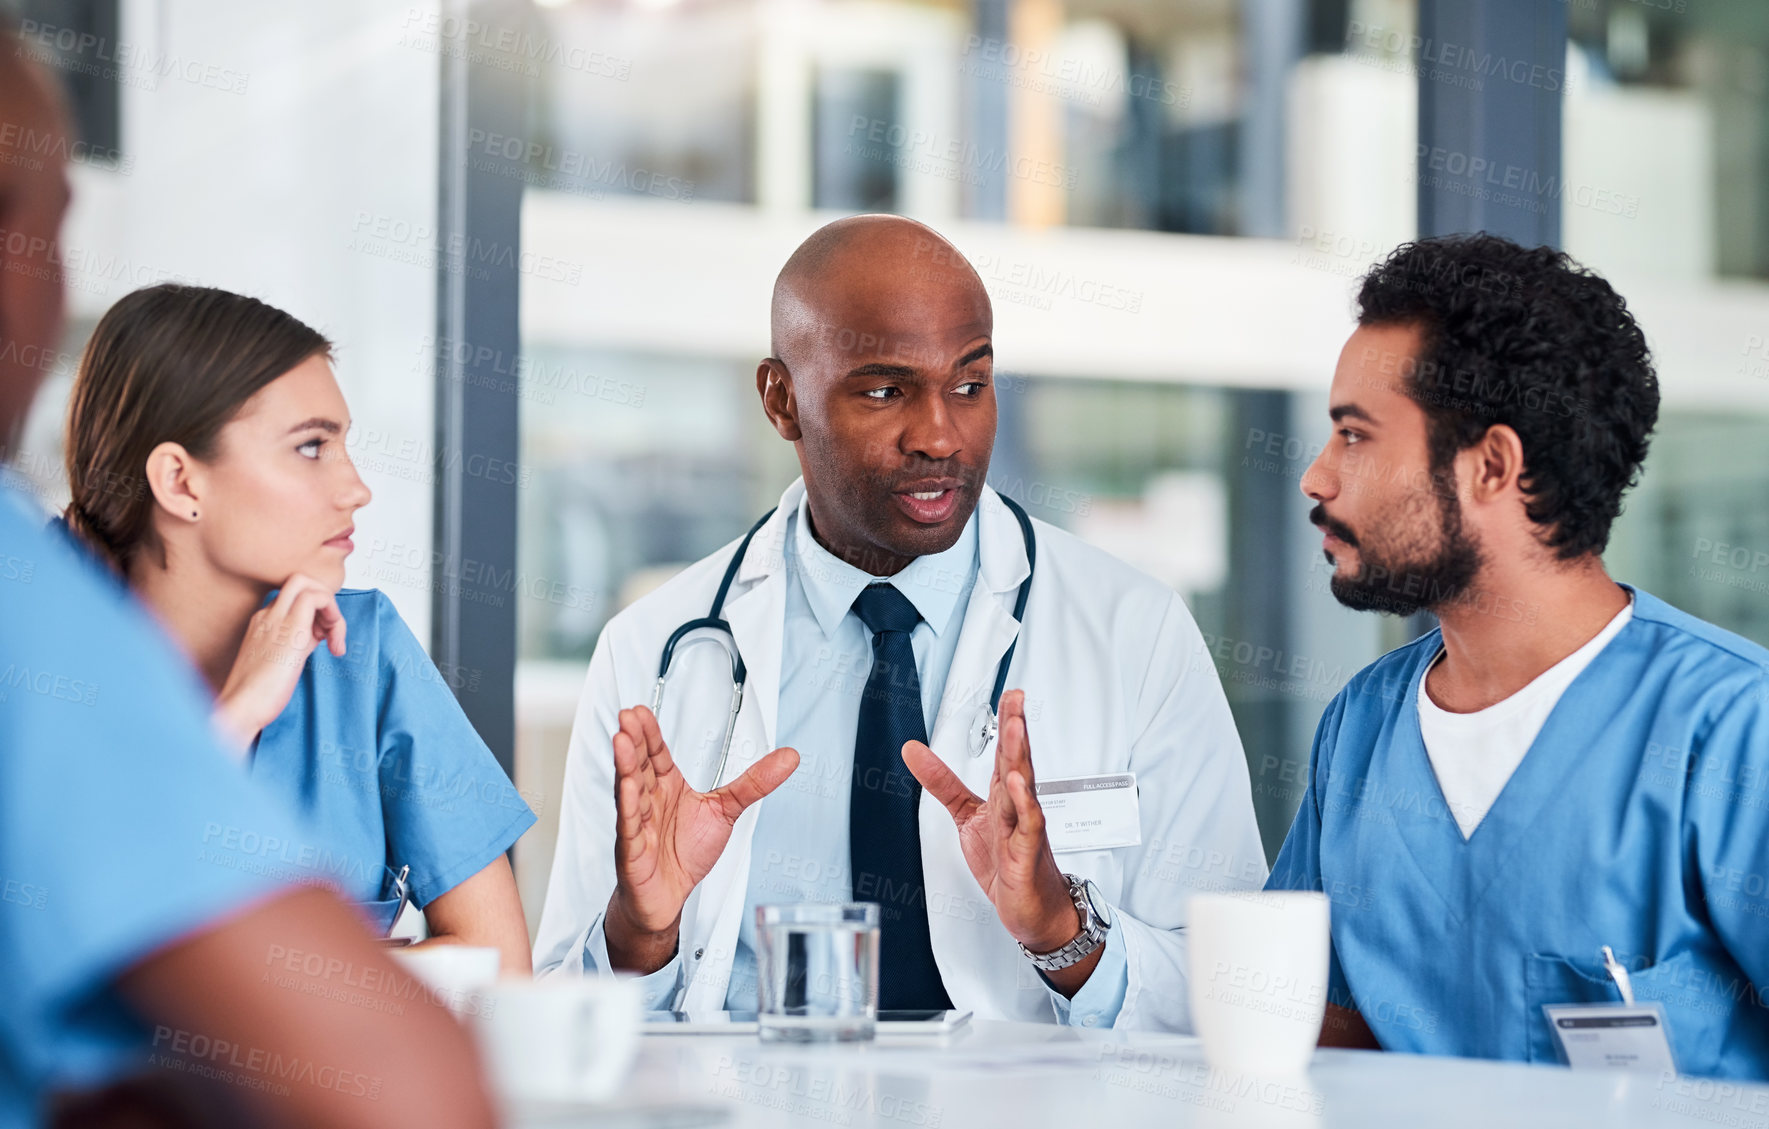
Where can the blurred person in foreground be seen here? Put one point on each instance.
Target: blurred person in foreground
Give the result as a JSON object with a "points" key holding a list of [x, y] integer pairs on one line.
{"points": [[153, 974], [1566, 777]]}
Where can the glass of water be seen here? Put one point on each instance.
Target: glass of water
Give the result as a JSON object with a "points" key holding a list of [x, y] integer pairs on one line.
{"points": [[817, 972]]}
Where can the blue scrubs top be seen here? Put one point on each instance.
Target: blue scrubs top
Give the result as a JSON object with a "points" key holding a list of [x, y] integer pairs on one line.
{"points": [[374, 750], [123, 827], [1639, 819]]}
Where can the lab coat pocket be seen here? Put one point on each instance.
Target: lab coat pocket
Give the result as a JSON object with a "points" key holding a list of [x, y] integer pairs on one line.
{"points": [[1105, 867]]}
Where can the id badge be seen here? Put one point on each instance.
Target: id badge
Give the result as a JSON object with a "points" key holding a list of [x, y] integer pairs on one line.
{"points": [[1630, 1037], [1090, 813]]}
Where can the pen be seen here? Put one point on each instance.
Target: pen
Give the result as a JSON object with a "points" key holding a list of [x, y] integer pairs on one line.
{"points": [[1619, 975], [399, 895]]}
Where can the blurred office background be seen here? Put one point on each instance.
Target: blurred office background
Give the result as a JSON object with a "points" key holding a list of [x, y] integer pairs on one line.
{"points": [[1170, 203]]}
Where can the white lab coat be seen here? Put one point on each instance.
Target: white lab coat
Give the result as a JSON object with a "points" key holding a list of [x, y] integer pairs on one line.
{"points": [[1117, 679]]}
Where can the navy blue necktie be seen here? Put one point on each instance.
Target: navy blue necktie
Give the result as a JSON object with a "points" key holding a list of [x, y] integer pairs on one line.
{"points": [[884, 835]]}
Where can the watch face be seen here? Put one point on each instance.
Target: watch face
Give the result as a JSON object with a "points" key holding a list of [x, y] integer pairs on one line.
{"points": [[1098, 901]]}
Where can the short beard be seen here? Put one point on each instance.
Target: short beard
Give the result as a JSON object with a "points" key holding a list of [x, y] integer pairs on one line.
{"points": [[1407, 587]]}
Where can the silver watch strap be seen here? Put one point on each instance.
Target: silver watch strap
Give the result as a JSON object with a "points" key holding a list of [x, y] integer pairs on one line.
{"points": [[1091, 937]]}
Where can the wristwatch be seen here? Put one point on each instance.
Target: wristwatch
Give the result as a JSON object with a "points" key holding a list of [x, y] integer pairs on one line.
{"points": [[1096, 919]]}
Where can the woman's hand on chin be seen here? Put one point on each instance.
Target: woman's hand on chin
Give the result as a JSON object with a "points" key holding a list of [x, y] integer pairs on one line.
{"points": [[274, 653]]}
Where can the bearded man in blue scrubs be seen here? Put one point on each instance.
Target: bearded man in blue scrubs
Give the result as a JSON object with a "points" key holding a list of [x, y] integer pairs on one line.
{"points": [[1567, 764]]}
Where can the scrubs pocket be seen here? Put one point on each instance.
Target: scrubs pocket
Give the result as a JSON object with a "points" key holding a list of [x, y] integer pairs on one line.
{"points": [[380, 915], [1556, 980], [1690, 1020], [382, 912]]}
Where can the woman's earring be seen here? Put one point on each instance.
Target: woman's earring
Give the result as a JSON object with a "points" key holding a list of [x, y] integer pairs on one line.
{"points": [[193, 513]]}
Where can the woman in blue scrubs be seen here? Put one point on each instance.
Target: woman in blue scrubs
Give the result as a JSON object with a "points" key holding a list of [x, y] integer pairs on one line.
{"points": [[206, 458], [1561, 794]]}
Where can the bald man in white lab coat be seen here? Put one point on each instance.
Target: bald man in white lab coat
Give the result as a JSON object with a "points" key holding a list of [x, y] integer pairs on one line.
{"points": [[1042, 875]]}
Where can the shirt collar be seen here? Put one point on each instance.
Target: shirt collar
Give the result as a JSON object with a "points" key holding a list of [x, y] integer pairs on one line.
{"points": [[932, 583]]}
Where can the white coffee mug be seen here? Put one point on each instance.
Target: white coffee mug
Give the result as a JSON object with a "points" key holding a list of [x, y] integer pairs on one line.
{"points": [[1259, 978], [457, 976], [567, 1040]]}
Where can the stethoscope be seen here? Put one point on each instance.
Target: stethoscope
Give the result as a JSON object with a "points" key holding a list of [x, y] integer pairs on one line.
{"points": [[983, 730]]}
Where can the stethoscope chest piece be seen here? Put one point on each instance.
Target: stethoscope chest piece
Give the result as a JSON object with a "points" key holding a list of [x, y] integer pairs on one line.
{"points": [[983, 731]]}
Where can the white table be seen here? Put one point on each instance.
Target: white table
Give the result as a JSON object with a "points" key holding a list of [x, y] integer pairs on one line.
{"points": [[1022, 1075]]}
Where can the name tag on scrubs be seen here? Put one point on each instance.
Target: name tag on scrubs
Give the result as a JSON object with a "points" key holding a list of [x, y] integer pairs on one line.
{"points": [[1612, 1036], [1091, 813]]}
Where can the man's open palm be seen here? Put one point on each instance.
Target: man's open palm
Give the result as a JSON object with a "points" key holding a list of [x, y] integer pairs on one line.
{"points": [[667, 835], [1003, 837]]}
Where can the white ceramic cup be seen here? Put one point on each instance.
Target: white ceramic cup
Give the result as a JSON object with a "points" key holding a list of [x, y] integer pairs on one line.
{"points": [[1259, 978], [560, 1040], [456, 975]]}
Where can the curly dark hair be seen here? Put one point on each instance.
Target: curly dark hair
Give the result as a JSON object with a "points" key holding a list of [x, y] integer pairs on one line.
{"points": [[1527, 338]]}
